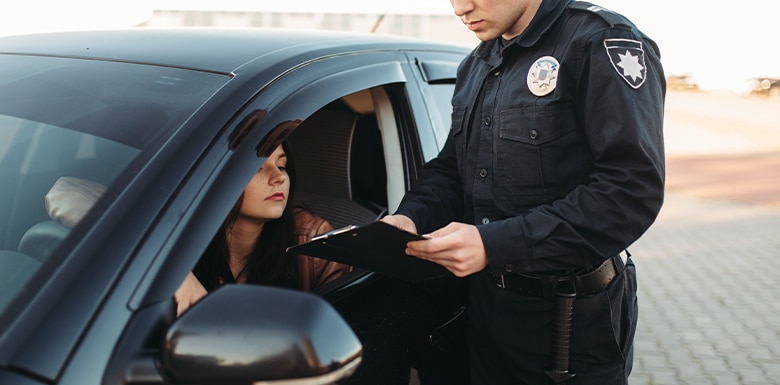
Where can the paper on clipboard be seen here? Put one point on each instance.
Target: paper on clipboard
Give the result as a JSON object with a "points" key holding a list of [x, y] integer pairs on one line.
{"points": [[377, 247]]}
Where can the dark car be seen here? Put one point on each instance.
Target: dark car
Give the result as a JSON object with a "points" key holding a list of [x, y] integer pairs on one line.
{"points": [[165, 128]]}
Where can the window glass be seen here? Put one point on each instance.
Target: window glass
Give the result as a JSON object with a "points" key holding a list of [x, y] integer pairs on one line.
{"points": [[442, 108], [68, 128]]}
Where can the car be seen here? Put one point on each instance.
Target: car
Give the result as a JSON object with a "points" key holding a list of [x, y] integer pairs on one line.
{"points": [[165, 127], [764, 86], [683, 82]]}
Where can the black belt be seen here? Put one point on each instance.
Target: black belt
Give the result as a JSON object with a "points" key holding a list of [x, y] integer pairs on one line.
{"points": [[588, 283]]}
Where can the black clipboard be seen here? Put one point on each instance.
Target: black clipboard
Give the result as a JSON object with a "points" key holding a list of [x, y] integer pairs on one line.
{"points": [[378, 247]]}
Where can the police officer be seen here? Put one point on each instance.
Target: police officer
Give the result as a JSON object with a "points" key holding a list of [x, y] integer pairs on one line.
{"points": [[554, 165]]}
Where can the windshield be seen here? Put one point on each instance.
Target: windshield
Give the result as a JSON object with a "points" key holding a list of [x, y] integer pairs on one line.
{"points": [[68, 129]]}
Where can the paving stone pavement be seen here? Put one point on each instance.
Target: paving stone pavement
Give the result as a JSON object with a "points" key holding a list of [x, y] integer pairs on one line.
{"points": [[708, 279]]}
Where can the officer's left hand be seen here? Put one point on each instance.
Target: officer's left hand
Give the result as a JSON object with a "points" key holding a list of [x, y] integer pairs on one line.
{"points": [[458, 247]]}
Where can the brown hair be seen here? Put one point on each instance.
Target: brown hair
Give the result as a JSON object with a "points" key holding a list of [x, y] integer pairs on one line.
{"points": [[269, 263]]}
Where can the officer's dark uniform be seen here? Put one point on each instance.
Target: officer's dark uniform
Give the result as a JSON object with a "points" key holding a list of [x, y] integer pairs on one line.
{"points": [[556, 154]]}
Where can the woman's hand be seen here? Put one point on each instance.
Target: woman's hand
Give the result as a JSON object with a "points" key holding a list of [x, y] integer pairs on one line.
{"points": [[188, 293]]}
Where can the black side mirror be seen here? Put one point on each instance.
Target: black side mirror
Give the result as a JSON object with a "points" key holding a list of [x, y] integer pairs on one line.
{"points": [[248, 333]]}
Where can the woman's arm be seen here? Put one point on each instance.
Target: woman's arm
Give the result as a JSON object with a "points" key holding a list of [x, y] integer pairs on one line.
{"points": [[190, 291], [315, 272]]}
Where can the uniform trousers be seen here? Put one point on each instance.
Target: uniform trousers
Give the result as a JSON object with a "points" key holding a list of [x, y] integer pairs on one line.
{"points": [[510, 335]]}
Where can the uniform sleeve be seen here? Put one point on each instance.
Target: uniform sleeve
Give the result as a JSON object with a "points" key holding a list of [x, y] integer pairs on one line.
{"points": [[619, 104], [436, 199]]}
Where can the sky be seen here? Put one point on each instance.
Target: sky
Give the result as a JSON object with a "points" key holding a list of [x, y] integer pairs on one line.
{"points": [[722, 43]]}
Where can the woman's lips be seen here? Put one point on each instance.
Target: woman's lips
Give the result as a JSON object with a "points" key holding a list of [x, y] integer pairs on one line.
{"points": [[276, 197]]}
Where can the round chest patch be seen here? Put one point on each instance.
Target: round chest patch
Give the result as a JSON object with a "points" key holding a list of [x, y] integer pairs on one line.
{"points": [[543, 75]]}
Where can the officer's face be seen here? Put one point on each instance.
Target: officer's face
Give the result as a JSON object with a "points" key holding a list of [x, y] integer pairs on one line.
{"points": [[489, 19]]}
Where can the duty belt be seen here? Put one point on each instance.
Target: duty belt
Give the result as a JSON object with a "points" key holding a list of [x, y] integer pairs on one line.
{"points": [[564, 289], [588, 283]]}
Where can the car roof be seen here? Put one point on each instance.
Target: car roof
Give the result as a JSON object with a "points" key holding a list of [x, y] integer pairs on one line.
{"points": [[225, 50]]}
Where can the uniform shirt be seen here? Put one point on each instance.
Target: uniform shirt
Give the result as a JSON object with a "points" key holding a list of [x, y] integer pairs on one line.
{"points": [[556, 147]]}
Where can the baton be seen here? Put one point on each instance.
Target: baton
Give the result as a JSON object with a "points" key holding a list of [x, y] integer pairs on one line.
{"points": [[562, 325]]}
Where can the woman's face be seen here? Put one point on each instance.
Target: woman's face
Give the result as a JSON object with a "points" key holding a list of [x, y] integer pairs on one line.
{"points": [[265, 197]]}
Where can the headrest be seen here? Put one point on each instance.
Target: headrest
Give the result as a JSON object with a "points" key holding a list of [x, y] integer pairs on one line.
{"points": [[70, 198], [41, 240]]}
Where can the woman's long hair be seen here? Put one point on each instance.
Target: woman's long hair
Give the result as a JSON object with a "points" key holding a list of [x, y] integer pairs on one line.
{"points": [[269, 263]]}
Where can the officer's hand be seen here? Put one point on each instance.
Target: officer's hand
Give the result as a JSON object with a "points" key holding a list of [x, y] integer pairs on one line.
{"points": [[401, 221], [458, 247]]}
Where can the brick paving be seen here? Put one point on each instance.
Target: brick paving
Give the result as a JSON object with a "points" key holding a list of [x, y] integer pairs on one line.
{"points": [[707, 269], [707, 285]]}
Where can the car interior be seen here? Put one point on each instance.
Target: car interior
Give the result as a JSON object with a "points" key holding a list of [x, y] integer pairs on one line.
{"points": [[340, 165], [340, 154], [37, 157]]}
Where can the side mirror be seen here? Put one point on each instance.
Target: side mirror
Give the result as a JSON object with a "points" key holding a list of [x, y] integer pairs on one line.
{"points": [[248, 333]]}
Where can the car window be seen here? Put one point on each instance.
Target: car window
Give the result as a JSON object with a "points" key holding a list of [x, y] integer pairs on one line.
{"points": [[68, 128], [442, 108]]}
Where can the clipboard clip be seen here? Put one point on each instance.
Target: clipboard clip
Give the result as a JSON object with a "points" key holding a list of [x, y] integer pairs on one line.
{"points": [[333, 232]]}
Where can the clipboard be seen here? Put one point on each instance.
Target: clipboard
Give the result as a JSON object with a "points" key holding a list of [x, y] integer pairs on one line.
{"points": [[377, 247]]}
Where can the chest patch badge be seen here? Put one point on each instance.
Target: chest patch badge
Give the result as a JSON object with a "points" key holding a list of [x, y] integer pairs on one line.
{"points": [[543, 75], [628, 59]]}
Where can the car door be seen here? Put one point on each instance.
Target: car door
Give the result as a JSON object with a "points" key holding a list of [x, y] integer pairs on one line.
{"points": [[374, 307], [378, 91]]}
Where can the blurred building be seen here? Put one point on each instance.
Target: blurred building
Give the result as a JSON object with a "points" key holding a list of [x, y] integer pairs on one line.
{"points": [[427, 26]]}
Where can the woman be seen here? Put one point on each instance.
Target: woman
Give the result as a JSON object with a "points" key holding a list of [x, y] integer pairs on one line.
{"points": [[250, 245]]}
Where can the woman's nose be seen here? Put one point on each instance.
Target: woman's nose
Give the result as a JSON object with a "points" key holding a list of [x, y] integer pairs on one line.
{"points": [[277, 176]]}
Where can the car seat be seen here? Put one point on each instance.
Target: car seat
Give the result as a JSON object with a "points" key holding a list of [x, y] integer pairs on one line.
{"points": [[42, 238], [15, 270], [322, 148], [68, 200]]}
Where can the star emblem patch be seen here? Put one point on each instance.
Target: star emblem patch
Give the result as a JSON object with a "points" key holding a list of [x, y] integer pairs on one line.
{"points": [[628, 59], [543, 76]]}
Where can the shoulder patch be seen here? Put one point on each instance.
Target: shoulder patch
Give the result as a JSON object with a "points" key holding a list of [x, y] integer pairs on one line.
{"points": [[610, 17], [628, 59]]}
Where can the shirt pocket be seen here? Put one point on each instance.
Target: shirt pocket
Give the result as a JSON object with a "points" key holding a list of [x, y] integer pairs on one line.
{"points": [[539, 156]]}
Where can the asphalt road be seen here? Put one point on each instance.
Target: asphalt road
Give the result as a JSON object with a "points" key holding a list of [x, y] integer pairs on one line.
{"points": [[723, 146]]}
